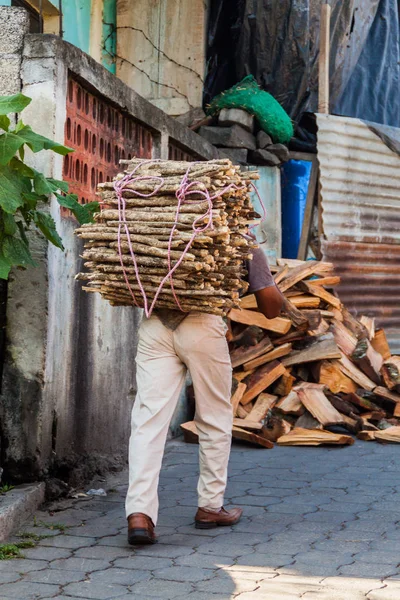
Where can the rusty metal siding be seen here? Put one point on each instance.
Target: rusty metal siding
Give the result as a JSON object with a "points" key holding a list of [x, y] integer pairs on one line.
{"points": [[360, 216]]}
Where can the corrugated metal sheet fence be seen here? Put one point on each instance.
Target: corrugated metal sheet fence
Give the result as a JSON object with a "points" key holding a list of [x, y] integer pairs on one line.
{"points": [[360, 215]]}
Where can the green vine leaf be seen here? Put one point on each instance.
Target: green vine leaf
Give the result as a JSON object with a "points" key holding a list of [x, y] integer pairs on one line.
{"points": [[11, 187], [9, 145], [83, 212], [4, 122], [13, 104], [17, 165], [37, 142], [5, 266], [47, 226], [9, 224]]}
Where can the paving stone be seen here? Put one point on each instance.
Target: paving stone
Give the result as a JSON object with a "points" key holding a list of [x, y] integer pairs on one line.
{"points": [[21, 565], [161, 551], [143, 563], [24, 590], [378, 557], [68, 541], [372, 570], [222, 549], [55, 576], [80, 564], [103, 552], [226, 584], [183, 573], [266, 562], [390, 591], [116, 575], [46, 553], [206, 561], [95, 591], [9, 577], [160, 588]]}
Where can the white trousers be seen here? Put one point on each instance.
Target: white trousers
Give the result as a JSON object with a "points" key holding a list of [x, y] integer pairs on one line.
{"points": [[163, 356]]}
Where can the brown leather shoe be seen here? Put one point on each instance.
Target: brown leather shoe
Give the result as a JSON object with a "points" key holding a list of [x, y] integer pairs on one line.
{"points": [[208, 519], [140, 530]]}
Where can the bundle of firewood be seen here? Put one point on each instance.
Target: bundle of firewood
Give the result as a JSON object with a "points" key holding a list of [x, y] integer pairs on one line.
{"points": [[314, 375], [167, 212]]}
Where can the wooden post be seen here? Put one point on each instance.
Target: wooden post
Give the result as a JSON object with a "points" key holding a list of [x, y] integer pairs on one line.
{"points": [[324, 47]]}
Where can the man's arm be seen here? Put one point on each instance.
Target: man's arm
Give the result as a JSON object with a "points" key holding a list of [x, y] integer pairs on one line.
{"points": [[262, 285], [269, 301]]}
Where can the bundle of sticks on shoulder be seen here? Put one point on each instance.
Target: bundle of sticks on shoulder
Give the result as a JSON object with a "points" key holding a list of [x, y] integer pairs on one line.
{"points": [[315, 375], [166, 212]]}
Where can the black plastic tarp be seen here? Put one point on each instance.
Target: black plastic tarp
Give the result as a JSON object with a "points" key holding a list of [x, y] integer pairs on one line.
{"points": [[277, 41]]}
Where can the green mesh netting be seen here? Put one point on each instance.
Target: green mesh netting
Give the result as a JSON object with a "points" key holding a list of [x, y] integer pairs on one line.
{"points": [[247, 95]]}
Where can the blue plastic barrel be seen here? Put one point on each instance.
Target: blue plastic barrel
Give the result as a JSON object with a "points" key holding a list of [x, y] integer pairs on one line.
{"points": [[295, 179]]}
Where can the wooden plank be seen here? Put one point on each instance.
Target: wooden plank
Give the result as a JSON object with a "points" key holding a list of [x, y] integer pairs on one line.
{"points": [[244, 354], [320, 292], [388, 395], [344, 338], [322, 269], [284, 386], [349, 369], [369, 324], [237, 396], [323, 59], [358, 400], [307, 421], [247, 424], [311, 437], [303, 301], [261, 379], [327, 281], [368, 360], [319, 406], [391, 435], [278, 352], [298, 273], [241, 434], [291, 404], [380, 344], [248, 302], [276, 428], [308, 212], [240, 375], [366, 436], [248, 317], [261, 407], [391, 372], [295, 315], [322, 328], [320, 348], [283, 271], [351, 323], [331, 375]]}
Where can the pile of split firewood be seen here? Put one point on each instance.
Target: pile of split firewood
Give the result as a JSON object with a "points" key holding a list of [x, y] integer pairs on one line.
{"points": [[157, 213], [314, 375]]}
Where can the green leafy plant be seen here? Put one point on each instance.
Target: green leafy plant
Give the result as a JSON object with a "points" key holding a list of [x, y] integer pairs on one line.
{"points": [[6, 488], [8, 551], [52, 526], [24, 191], [28, 535]]}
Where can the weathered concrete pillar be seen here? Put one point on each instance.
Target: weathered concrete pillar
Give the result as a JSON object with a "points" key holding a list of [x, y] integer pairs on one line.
{"points": [[20, 406]]}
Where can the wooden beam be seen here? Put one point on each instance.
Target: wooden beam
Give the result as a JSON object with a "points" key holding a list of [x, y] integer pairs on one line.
{"points": [[308, 212], [323, 70]]}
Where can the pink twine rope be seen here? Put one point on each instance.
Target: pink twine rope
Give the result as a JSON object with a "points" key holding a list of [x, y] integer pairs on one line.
{"points": [[185, 190]]}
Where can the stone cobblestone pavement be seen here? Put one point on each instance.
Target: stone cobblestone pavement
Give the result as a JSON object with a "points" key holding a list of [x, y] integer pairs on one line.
{"points": [[318, 524]]}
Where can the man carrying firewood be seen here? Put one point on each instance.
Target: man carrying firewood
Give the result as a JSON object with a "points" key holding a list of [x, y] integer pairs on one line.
{"points": [[170, 343]]}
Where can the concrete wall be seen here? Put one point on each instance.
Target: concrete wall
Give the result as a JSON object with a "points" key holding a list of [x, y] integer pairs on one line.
{"points": [[69, 379], [161, 51]]}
